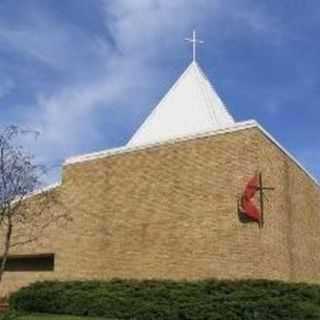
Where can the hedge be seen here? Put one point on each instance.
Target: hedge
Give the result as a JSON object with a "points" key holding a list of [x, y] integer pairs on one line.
{"points": [[172, 300]]}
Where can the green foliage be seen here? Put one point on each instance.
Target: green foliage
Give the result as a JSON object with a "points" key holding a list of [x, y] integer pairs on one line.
{"points": [[44, 316], [10, 315], [172, 300]]}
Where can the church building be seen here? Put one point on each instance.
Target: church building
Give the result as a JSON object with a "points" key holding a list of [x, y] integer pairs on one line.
{"points": [[194, 194]]}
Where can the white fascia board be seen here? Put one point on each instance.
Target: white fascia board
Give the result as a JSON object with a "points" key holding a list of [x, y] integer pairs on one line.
{"points": [[37, 192], [235, 127], [288, 154], [44, 189], [115, 151], [126, 149]]}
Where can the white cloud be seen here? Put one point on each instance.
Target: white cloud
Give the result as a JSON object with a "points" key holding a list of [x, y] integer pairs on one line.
{"points": [[143, 32], [45, 39], [66, 118]]}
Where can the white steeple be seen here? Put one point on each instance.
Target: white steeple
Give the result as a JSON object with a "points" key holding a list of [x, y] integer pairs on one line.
{"points": [[191, 106]]}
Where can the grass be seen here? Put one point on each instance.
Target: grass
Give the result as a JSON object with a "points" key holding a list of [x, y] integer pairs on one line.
{"points": [[54, 317]]}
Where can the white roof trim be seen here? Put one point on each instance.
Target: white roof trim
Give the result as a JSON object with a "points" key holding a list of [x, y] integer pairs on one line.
{"points": [[125, 149], [287, 153], [37, 192], [42, 190], [236, 127]]}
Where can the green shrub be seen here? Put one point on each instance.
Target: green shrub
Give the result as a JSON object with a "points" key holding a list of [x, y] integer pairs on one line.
{"points": [[172, 300], [10, 315]]}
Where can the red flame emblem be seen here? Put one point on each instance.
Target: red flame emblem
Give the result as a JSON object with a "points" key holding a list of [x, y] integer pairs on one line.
{"points": [[247, 204]]}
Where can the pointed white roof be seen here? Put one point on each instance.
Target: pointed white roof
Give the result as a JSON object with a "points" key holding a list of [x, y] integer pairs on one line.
{"points": [[191, 106]]}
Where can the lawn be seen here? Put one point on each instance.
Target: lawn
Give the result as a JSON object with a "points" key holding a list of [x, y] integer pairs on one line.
{"points": [[54, 317]]}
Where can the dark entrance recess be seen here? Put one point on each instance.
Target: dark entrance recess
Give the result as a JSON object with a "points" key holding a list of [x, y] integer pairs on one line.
{"points": [[40, 262]]}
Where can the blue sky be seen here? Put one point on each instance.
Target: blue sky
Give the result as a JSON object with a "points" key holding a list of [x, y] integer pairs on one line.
{"points": [[86, 73]]}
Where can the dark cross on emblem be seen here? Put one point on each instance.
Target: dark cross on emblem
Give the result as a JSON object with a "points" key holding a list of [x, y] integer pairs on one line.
{"points": [[246, 204]]}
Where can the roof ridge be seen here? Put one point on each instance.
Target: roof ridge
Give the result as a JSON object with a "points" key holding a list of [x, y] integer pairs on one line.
{"points": [[210, 109], [226, 109]]}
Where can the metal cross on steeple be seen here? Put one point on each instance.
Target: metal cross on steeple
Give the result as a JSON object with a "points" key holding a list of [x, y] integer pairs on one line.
{"points": [[194, 42]]}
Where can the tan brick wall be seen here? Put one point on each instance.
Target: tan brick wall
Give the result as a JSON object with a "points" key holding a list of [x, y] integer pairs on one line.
{"points": [[170, 211]]}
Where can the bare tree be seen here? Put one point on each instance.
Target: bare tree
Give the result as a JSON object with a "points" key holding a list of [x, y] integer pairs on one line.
{"points": [[24, 212]]}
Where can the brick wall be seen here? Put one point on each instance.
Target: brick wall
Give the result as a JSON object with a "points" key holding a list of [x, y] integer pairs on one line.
{"points": [[170, 211]]}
